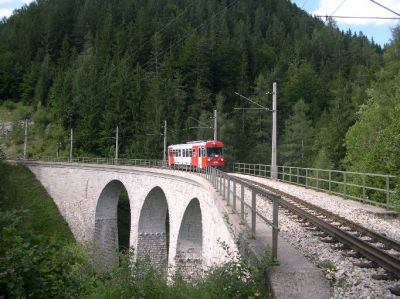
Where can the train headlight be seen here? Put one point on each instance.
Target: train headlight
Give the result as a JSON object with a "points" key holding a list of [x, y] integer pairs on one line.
{"points": [[209, 159], [222, 159]]}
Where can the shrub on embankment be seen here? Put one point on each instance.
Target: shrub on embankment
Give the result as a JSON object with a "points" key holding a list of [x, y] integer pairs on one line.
{"points": [[40, 259]]}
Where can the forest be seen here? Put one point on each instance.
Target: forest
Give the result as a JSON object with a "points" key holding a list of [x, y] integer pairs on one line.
{"points": [[92, 65]]}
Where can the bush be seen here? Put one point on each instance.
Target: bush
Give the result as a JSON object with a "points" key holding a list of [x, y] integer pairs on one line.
{"points": [[34, 266], [9, 105], [2, 153]]}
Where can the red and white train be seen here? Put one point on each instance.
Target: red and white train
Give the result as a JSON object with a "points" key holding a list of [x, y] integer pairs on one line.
{"points": [[199, 154]]}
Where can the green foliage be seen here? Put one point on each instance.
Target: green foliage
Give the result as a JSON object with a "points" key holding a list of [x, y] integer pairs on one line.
{"points": [[297, 138], [32, 265], [328, 265], [234, 279], [373, 141], [19, 189], [92, 66], [2, 153]]}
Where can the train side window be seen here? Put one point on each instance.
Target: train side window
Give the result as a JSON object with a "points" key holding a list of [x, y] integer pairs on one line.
{"points": [[200, 152]]}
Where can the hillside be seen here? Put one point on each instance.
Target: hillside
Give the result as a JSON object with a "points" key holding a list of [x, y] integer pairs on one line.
{"points": [[20, 190], [92, 65]]}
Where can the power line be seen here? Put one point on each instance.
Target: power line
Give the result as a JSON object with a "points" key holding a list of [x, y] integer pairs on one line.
{"points": [[327, 18], [385, 7], [358, 17], [337, 8], [304, 3]]}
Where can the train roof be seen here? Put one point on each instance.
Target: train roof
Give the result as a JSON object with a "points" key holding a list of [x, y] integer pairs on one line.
{"points": [[206, 143]]}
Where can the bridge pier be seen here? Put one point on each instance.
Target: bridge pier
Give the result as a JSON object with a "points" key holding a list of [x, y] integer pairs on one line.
{"points": [[153, 234], [105, 239], [188, 259]]}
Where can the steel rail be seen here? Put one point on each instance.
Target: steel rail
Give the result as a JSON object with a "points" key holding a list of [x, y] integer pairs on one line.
{"points": [[361, 229], [365, 248]]}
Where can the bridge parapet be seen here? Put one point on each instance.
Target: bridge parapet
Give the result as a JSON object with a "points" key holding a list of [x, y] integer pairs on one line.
{"points": [[373, 188]]}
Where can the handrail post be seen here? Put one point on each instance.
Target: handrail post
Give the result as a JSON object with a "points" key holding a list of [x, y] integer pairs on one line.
{"points": [[229, 191], [275, 210], [213, 177], [306, 176], [330, 180], [363, 186], [253, 213], [223, 190], [317, 178], [298, 175], [234, 196], [344, 184], [242, 202], [387, 192]]}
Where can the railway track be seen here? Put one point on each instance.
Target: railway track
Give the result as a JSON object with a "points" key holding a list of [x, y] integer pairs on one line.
{"points": [[379, 249]]}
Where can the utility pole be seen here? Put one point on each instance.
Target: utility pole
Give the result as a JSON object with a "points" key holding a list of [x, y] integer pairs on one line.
{"points": [[71, 145], [25, 136], [274, 168], [165, 144], [58, 149], [116, 146], [215, 125]]}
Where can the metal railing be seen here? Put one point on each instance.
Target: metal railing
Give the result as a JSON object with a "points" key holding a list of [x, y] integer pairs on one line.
{"points": [[376, 189], [231, 189], [229, 186], [108, 161]]}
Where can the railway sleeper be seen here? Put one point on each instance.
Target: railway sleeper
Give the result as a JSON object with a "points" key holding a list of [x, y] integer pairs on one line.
{"points": [[320, 234], [341, 247], [353, 254], [383, 247], [366, 265], [384, 276], [312, 228], [329, 240]]}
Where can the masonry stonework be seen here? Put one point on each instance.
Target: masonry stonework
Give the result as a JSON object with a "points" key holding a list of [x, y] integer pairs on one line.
{"points": [[180, 219]]}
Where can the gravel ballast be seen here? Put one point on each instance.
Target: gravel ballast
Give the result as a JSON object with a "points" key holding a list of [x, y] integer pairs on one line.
{"points": [[348, 280]]}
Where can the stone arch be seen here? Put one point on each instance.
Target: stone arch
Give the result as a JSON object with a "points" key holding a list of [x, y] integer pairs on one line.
{"points": [[153, 233], [106, 226], [188, 259]]}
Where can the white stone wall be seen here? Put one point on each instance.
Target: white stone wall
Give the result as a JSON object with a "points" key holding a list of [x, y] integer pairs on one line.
{"points": [[76, 189]]}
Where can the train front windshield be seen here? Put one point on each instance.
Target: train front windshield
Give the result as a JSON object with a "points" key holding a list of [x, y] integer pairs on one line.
{"points": [[214, 151]]}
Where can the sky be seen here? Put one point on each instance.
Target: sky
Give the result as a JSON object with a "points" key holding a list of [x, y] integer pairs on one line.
{"points": [[7, 6], [379, 30]]}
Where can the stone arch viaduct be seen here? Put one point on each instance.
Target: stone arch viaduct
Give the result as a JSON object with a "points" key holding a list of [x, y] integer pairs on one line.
{"points": [[176, 218]]}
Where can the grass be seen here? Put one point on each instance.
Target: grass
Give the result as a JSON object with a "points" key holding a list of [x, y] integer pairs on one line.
{"points": [[12, 111], [328, 265], [20, 190]]}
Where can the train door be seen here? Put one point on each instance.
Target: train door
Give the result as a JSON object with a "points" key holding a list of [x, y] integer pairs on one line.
{"points": [[200, 163], [170, 156], [195, 156]]}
